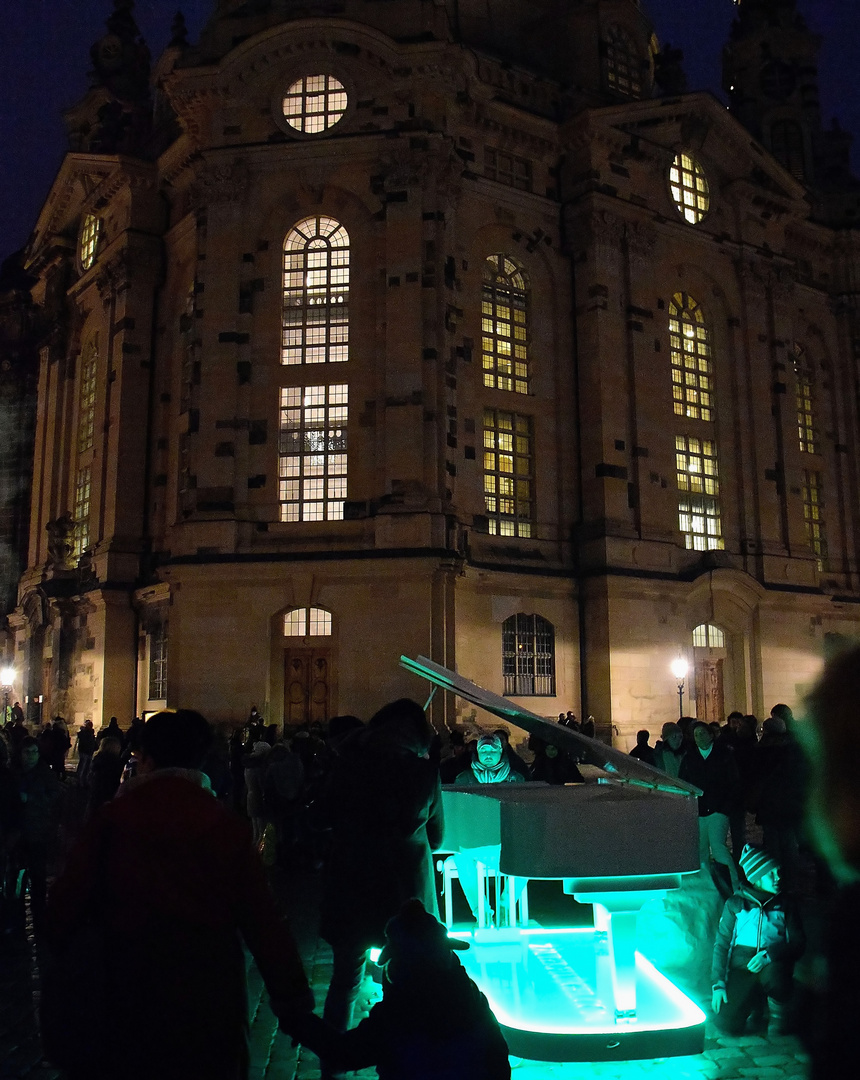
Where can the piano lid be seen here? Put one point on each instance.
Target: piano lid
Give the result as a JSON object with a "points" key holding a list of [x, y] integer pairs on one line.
{"points": [[620, 766]]}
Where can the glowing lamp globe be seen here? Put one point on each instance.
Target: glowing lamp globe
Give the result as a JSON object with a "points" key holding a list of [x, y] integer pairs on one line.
{"points": [[679, 667]]}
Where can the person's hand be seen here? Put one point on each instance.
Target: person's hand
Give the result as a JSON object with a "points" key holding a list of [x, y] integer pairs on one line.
{"points": [[719, 998], [760, 960]]}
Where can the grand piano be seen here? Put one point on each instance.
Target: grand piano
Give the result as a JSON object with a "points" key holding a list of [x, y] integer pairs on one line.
{"points": [[577, 994]]}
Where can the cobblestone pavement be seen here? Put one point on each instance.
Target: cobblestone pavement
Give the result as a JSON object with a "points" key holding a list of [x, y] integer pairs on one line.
{"points": [[274, 1058]]}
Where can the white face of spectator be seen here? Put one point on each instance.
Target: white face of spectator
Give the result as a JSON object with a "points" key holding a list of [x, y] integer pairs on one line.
{"points": [[770, 882]]}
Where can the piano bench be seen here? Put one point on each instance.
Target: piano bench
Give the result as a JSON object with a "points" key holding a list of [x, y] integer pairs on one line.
{"points": [[506, 886]]}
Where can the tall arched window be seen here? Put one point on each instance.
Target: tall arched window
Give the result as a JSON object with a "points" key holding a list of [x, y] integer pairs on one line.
{"points": [[504, 325], [528, 656], [804, 387], [87, 398], [316, 293], [623, 63], [690, 352], [786, 144]]}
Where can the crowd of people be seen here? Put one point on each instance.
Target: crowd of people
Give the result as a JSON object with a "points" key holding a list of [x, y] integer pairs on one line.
{"points": [[173, 876]]}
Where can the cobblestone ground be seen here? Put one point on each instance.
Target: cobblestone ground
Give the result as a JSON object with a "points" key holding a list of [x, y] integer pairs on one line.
{"points": [[274, 1058]]}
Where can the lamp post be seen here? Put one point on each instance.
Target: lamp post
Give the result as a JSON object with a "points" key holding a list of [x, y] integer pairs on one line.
{"points": [[7, 677], [679, 670]]}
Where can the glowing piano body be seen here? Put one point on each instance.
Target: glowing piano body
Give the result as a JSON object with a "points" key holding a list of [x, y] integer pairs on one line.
{"points": [[579, 994]]}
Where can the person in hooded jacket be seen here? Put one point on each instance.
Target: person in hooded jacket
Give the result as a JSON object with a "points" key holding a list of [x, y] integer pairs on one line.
{"points": [[433, 1023], [759, 940], [382, 802]]}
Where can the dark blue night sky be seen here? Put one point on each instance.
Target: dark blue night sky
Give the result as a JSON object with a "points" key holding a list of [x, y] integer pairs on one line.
{"points": [[44, 57]]}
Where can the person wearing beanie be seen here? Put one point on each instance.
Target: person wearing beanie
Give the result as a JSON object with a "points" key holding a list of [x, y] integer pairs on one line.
{"points": [[433, 1023], [759, 940]]}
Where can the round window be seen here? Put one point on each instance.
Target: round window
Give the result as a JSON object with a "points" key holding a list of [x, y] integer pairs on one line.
{"points": [[314, 103], [689, 188]]}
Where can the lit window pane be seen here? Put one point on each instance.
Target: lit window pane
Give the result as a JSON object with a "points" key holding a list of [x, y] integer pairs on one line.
{"points": [[528, 656], [90, 233], [314, 103], [312, 462], [504, 291], [698, 496], [689, 351], [508, 501], [689, 187]]}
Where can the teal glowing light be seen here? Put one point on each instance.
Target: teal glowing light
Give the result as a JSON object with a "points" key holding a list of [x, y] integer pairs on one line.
{"points": [[373, 955], [552, 992]]}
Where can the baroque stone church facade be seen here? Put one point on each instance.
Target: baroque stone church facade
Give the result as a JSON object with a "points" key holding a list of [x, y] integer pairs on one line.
{"points": [[443, 327]]}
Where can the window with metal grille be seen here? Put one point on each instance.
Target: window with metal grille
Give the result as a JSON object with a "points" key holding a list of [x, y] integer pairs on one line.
{"points": [[87, 399], [504, 325], [316, 293], [804, 385], [689, 187], [89, 242], [690, 355], [698, 493], [504, 168], [813, 516], [307, 622], [314, 103], [158, 663], [528, 656], [312, 452], [623, 63], [508, 461], [82, 510], [707, 636]]}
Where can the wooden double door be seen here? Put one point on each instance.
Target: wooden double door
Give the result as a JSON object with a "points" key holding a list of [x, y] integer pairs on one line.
{"points": [[307, 687]]}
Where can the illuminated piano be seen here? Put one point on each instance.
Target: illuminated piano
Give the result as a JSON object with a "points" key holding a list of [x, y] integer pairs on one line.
{"points": [[578, 994]]}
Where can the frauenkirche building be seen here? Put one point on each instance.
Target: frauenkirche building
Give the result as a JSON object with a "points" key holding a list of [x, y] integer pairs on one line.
{"points": [[442, 327]]}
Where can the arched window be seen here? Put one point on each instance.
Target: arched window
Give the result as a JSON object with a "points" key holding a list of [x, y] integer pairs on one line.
{"points": [[316, 293], [689, 187], [528, 656], [707, 636], [786, 144], [307, 622], [87, 398], [89, 240], [804, 387], [623, 63], [504, 325], [690, 352]]}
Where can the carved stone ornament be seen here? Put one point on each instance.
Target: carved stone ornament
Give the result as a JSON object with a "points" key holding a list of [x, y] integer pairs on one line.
{"points": [[224, 182], [60, 542]]}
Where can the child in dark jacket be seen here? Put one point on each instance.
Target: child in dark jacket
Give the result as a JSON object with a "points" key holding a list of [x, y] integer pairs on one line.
{"points": [[432, 1023], [759, 939]]}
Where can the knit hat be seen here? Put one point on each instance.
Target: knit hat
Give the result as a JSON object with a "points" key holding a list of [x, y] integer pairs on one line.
{"points": [[755, 863], [492, 739], [414, 934]]}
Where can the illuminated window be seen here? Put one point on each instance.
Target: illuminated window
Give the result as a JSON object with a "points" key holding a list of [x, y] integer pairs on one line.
{"points": [[689, 188], [528, 656], [312, 452], [316, 293], [307, 622], [508, 454], [90, 232], [158, 663], [82, 510], [314, 103], [87, 400], [804, 376], [707, 636], [515, 172], [698, 493], [690, 353], [623, 63], [813, 516], [786, 144], [504, 325]]}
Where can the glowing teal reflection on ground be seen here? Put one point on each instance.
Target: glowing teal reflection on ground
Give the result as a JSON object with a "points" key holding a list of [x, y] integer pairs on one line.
{"points": [[558, 982]]}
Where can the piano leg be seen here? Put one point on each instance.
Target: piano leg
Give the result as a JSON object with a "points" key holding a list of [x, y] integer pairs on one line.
{"points": [[620, 929]]}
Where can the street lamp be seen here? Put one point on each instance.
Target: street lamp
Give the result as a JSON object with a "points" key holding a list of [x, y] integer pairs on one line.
{"points": [[7, 677], [679, 670]]}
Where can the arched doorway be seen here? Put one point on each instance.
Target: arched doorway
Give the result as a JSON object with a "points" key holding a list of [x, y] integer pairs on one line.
{"points": [[709, 658], [307, 665]]}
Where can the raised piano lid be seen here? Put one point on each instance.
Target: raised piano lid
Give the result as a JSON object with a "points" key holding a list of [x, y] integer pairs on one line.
{"points": [[618, 765]]}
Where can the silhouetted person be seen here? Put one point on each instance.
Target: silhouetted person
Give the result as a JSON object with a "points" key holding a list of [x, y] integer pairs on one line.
{"points": [[38, 792], [383, 804], [642, 750], [105, 773], [433, 1023], [179, 887]]}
